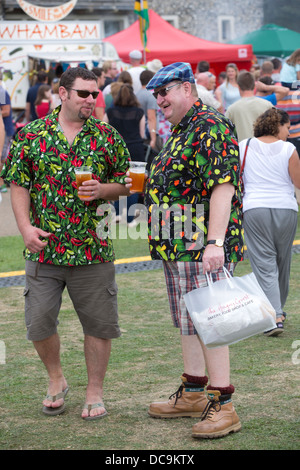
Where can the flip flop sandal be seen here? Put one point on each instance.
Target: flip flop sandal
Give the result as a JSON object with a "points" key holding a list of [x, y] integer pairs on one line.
{"points": [[49, 410], [91, 407]]}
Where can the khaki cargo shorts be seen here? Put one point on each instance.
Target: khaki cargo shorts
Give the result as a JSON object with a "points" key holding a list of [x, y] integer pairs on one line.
{"points": [[92, 289]]}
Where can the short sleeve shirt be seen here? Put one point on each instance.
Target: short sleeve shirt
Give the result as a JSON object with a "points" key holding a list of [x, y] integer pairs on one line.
{"points": [[272, 98], [201, 153], [42, 161], [7, 120], [146, 100], [31, 97]]}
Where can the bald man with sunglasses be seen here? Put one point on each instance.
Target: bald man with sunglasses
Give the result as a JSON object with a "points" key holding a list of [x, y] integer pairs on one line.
{"points": [[59, 222], [197, 168]]}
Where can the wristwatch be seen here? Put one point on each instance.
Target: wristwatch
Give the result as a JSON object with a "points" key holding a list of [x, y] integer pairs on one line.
{"points": [[217, 242]]}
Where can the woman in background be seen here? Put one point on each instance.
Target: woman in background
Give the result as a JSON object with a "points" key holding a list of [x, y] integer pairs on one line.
{"points": [[228, 93], [129, 119], [290, 71], [55, 99], [113, 88], [43, 100], [272, 168]]}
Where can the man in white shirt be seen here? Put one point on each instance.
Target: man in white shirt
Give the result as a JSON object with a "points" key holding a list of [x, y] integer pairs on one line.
{"points": [[135, 58], [202, 84]]}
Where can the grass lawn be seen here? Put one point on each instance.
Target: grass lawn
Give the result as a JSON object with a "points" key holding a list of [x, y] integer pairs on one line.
{"points": [[145, 365]]}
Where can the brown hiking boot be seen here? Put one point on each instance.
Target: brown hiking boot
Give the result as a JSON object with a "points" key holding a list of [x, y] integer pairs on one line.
{"points": [[219, 418], [188, 401]]}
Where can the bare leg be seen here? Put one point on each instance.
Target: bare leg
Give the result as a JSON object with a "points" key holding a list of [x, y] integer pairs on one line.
{"points": [[218, 365], [49, 352], [193, 358], [97, 352], [197, 358]]}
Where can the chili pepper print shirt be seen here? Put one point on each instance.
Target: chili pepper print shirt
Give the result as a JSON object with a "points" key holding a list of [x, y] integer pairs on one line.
{"points": [[42, 161], [201, 152]]}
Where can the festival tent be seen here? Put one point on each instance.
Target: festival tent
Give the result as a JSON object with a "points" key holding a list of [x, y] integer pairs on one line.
{"points": [[169, 44], [271, 40]]}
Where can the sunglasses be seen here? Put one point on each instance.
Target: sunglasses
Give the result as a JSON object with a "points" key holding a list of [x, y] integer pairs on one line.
{"points": [[164, 91], [85, 93]]}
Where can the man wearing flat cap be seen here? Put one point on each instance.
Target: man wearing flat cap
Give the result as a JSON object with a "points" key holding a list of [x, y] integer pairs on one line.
{"points": [[135, 70], [195, 177]]}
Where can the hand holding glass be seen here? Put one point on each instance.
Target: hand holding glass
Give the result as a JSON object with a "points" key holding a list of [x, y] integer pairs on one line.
{"points": [[83, 173]]}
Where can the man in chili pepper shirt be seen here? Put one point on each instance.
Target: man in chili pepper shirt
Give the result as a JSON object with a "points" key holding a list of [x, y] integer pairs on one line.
{"points": [[198, 167], [59, 231]]}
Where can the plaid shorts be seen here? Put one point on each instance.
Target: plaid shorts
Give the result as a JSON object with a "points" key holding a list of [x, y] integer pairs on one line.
{"points": [[182, 277]]}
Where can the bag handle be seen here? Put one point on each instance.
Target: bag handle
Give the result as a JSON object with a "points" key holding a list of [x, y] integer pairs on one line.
{"points": [[227, 275], [209, 279]]}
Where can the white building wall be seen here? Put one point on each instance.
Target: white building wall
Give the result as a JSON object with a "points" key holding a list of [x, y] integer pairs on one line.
{"points": [[212, 19]]}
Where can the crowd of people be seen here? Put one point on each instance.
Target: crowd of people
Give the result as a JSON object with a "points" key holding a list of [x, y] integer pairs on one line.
{"points": [[201, 129]]}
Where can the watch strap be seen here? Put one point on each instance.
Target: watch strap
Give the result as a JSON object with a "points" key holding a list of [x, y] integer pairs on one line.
{"points": [[217, 242]]}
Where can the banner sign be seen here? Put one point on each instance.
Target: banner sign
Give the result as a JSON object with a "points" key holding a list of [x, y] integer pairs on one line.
{"points": [[47, 13], [41, 33]]}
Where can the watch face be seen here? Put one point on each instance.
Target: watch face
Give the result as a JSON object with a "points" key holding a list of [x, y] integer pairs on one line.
{"points": [[219, 242]]}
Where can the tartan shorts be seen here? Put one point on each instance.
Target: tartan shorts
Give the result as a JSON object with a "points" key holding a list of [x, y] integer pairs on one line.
{"points": [[182, 277]]}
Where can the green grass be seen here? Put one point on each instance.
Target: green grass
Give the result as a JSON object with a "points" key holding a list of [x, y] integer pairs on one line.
{"points": [[145, 365]]}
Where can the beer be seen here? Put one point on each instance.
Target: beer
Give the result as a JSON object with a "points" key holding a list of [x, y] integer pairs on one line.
{"points": [[137, 174], [83, 173]]}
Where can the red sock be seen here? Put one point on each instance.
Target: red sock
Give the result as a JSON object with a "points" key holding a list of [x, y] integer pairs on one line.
{"points": [[202, 381], [223, 390]]}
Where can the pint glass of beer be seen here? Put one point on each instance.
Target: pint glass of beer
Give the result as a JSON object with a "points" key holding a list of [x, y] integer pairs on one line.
{"points": [[137, 172], [83, 173]]}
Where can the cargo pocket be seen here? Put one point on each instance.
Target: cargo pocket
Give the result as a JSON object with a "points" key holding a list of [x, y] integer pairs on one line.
{"points": [[25, 292], [112, 302], [113, 288], [27, 310]]}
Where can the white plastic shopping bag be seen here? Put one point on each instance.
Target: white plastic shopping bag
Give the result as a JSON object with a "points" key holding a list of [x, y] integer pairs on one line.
{"points": [[230, 310]]}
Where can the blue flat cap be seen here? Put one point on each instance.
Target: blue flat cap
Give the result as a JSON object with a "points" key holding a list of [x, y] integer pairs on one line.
{"points": [[178, 71]]}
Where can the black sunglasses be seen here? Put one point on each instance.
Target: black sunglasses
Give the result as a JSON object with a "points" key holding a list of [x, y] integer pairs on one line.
{"points": [[164, 91], [85, 93]]}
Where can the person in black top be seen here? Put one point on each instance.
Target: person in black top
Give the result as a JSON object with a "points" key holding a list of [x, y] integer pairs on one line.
{"points": [[129, 119], [30, 113]]}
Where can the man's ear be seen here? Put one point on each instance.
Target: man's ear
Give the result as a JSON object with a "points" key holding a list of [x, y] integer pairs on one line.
{"points": [[187, 86], [63, 93]]}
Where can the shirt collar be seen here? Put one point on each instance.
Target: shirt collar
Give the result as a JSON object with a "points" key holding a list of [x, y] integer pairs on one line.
{"points": [[87, 124], [183, 124]]}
